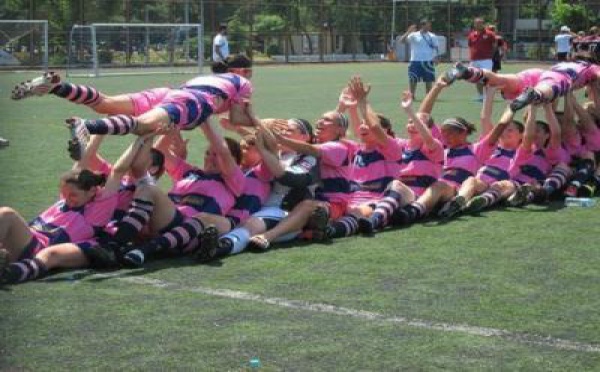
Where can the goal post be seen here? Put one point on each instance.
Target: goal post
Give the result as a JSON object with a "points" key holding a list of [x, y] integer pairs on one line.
{"points": [[102, 49], [24, 44]]}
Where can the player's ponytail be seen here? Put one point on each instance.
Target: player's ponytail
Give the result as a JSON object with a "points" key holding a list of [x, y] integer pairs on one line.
{"points": [[84, 179]]}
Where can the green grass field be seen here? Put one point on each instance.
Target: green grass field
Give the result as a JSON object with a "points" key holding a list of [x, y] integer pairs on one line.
{"points": [[511, 289]]}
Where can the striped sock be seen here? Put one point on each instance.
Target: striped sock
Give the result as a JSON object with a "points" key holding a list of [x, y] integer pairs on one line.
{"points": [[491, 197], [118, 124], [80, 94], [415, 211], [136, 218], [474, 74], [385, 208], [556, 181], [24, 270], [344, 226], [585, 170], [180, 236]]}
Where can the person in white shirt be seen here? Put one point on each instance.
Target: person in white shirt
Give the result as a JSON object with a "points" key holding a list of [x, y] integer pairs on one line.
{"points": [[563, 43], [220, 45], [424, 49]]}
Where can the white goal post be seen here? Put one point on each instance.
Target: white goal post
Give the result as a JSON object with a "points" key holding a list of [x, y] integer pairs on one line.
{"points": [[24, 44], [102, 49]]}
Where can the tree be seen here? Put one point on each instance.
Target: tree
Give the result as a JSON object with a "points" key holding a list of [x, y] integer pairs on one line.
{"points": [[563, 13]]}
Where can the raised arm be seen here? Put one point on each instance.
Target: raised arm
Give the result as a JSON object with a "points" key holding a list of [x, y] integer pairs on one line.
{"points": [[227, 163], [270, 159], [90, 158], [139, 167], [429, 100], [347, 103], [530, 127], [360, 92], [406, 104], [122, 165], [298, 146], [585, 118], [486, 111], [555, 132], [411, 28]]}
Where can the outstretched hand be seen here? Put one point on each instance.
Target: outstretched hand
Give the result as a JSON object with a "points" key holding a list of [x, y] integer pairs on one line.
{"points": [[358, 89], [406, 100], [347, 100]]}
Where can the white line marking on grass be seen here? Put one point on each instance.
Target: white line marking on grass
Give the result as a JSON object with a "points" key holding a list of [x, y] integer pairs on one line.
{"points": [[532, 339]]}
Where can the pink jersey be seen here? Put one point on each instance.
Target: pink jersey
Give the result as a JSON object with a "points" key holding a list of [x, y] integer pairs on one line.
{"points": [[592, 139], [230, 88], [372, 170], [496, 168], [256, 191], [527, 79], [145, 100], [335, 170], [581, 73], [196, 191], [126, 189], [533, 167], [463, 162], [420, 167], [61, 224]]}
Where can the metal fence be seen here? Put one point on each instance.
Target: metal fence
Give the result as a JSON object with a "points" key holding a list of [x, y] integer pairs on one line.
{"points": [[314, 30]]}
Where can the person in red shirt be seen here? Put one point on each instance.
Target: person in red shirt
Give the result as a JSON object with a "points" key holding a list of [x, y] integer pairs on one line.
{"points": [[482, 45]]}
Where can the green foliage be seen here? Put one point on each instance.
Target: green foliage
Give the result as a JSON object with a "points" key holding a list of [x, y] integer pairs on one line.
{"points": [[574, 15]]}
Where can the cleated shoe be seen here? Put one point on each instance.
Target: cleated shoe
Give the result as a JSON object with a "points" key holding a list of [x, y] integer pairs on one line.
{"points": [[455, 73], [209, 243], [134, 258], [365, 226], [80, 137], [520, 197], [452, 208], [36, 87], [476, 205], [524, 99], [587, 190]]}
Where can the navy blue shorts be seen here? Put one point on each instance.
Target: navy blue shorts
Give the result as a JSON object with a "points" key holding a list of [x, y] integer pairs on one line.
{"points": [[421, 71]]}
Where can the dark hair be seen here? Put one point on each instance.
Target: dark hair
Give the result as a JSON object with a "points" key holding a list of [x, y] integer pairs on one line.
{"points": [[158, 160], [305, 127], [519, 125], [234, 149], [386, 124], [543, 125], [222, 27], [232, 61], [461, 124], [84, 179]]}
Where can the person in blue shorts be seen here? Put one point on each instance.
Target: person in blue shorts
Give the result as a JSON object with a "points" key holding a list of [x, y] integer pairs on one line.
{"points": [[424, 49]]}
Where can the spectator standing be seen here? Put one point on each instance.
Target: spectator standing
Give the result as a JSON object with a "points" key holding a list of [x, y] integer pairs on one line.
{"points": [[482, 45], [500, 52], [424, 49], [563, 43], [220, 45]]}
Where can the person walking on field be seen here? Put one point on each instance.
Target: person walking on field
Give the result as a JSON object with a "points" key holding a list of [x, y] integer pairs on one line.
{"points": [[563, 41], [482, 45], [221, 45], [424, 49]]}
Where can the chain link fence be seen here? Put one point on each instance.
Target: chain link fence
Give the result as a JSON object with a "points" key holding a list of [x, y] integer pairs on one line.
{"points": [[313, 30]]}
